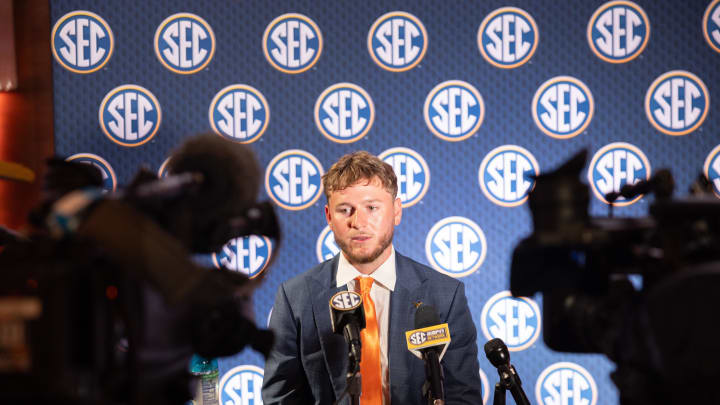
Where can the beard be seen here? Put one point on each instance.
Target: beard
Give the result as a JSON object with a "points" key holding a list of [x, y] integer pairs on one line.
{"points": [[369, 257]]}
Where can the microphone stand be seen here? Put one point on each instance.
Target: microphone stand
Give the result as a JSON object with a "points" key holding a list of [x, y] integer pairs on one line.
{"points": [[509, 380], [353, 382]]}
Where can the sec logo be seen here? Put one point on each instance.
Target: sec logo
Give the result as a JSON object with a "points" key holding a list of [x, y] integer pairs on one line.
{"points": [[507, 37], [711, 25], [82, 42], [454, 110], [292, 43], [241, 385], [455, 246], [130, 115], [563, 107], [293, 179], [345, 300], [618, 31], [411, 170], [344, 113], [712, 169], [514, 320], [108, 174], [248, 255], [184, 43], [325, 247], [418, 338], [239, 113], [566, 383], [397, 41], [614, 166], [507, 175], [677, 103]]}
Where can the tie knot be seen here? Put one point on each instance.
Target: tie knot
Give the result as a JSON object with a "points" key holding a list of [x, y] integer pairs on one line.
{"points": [[365, 284]]}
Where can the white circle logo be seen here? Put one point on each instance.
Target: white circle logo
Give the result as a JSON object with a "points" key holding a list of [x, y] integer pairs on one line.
{"points": [[413, 175], [618, 31], [711, 169], [241, 385], [565, 383], [130, 115], [514, 320], [293, 179], [563, 107], [325, 247], [711, 25], [508, 37], [507, 175], [248, 255], [397, 41], [292, 43], [344, 113], [454, 110], [677, 103], [239, 113], [455, 246], [614, 166], [184, 43], [82, 42]]}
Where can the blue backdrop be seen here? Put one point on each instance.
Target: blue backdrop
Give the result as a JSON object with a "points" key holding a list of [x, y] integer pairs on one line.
{"points": [[466, 100]]}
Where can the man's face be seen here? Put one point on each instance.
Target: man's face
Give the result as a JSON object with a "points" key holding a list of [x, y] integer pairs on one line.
{"points": [[362, 218]]}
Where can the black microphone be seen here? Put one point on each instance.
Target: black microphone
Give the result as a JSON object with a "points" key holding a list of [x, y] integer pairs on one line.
{"points": [[348, 318], [497, 352], [661, 183], [432, 338]]}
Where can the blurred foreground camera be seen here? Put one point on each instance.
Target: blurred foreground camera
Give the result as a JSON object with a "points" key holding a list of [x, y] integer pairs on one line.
{"points": [[104, 304], [661, 336]]}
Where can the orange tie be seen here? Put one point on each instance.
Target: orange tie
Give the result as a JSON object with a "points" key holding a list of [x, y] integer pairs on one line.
{"points": [[370, 357]]}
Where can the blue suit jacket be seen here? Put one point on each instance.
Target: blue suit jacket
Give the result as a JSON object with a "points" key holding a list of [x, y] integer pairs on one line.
{"points": [[308, 362]]}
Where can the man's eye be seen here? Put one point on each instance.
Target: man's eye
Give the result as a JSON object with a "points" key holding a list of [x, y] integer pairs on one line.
{"points": [[373, 207]]}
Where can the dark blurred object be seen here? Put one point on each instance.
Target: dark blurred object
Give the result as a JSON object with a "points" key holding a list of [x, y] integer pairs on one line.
{"points": [[661, 336], [62, 177], [123, 306]]}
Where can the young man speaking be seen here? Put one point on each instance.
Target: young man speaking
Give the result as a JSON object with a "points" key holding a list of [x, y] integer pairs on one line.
{"points": [[308, 364]]}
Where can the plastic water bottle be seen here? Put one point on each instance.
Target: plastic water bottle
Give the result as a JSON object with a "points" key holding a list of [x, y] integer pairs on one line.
{"points": [[206, 371]]}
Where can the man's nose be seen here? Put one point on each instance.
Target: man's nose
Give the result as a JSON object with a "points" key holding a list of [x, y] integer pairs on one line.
{"points": [[358, 220]]}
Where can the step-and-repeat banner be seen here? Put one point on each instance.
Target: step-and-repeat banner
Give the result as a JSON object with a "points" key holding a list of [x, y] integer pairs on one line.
{"points": [[466, 100]]}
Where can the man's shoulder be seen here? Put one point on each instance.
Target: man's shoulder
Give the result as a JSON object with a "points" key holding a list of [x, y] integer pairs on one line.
{"points": [[428, 273], [317, 272]]}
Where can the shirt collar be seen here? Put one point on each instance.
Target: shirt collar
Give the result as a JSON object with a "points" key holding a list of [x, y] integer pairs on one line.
{"points": [[385, 274]]}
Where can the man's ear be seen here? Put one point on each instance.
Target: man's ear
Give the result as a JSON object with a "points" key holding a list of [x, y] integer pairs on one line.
{"points": [[328, 216], [398, 211]]}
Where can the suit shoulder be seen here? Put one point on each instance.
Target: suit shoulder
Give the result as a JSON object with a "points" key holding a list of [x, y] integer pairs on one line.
{"points": [[314, 272], [432, 275]]}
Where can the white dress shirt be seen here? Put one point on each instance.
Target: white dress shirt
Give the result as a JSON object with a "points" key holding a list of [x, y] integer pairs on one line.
{"points": [[384, 283]]}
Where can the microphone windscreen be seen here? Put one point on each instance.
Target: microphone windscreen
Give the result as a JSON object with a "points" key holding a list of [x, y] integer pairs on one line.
{"points": [[426, 316], [497, 352]]}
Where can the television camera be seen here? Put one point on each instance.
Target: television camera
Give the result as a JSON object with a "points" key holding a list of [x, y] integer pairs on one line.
{"points": [[662, 335]]}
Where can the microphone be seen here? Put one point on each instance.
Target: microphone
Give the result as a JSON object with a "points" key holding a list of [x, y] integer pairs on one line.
{"points": [[429, 341], [661, 183], [348, 318], [497, 352]]}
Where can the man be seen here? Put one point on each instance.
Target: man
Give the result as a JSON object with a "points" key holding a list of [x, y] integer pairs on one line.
{"points": [[308, 363]]}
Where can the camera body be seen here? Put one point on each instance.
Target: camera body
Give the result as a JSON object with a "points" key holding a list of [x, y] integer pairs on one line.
{"points": [[582, 266]]}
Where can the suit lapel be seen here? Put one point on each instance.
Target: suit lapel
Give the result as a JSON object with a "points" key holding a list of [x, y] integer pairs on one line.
{"points": [[335, 351], [408, 290]]}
